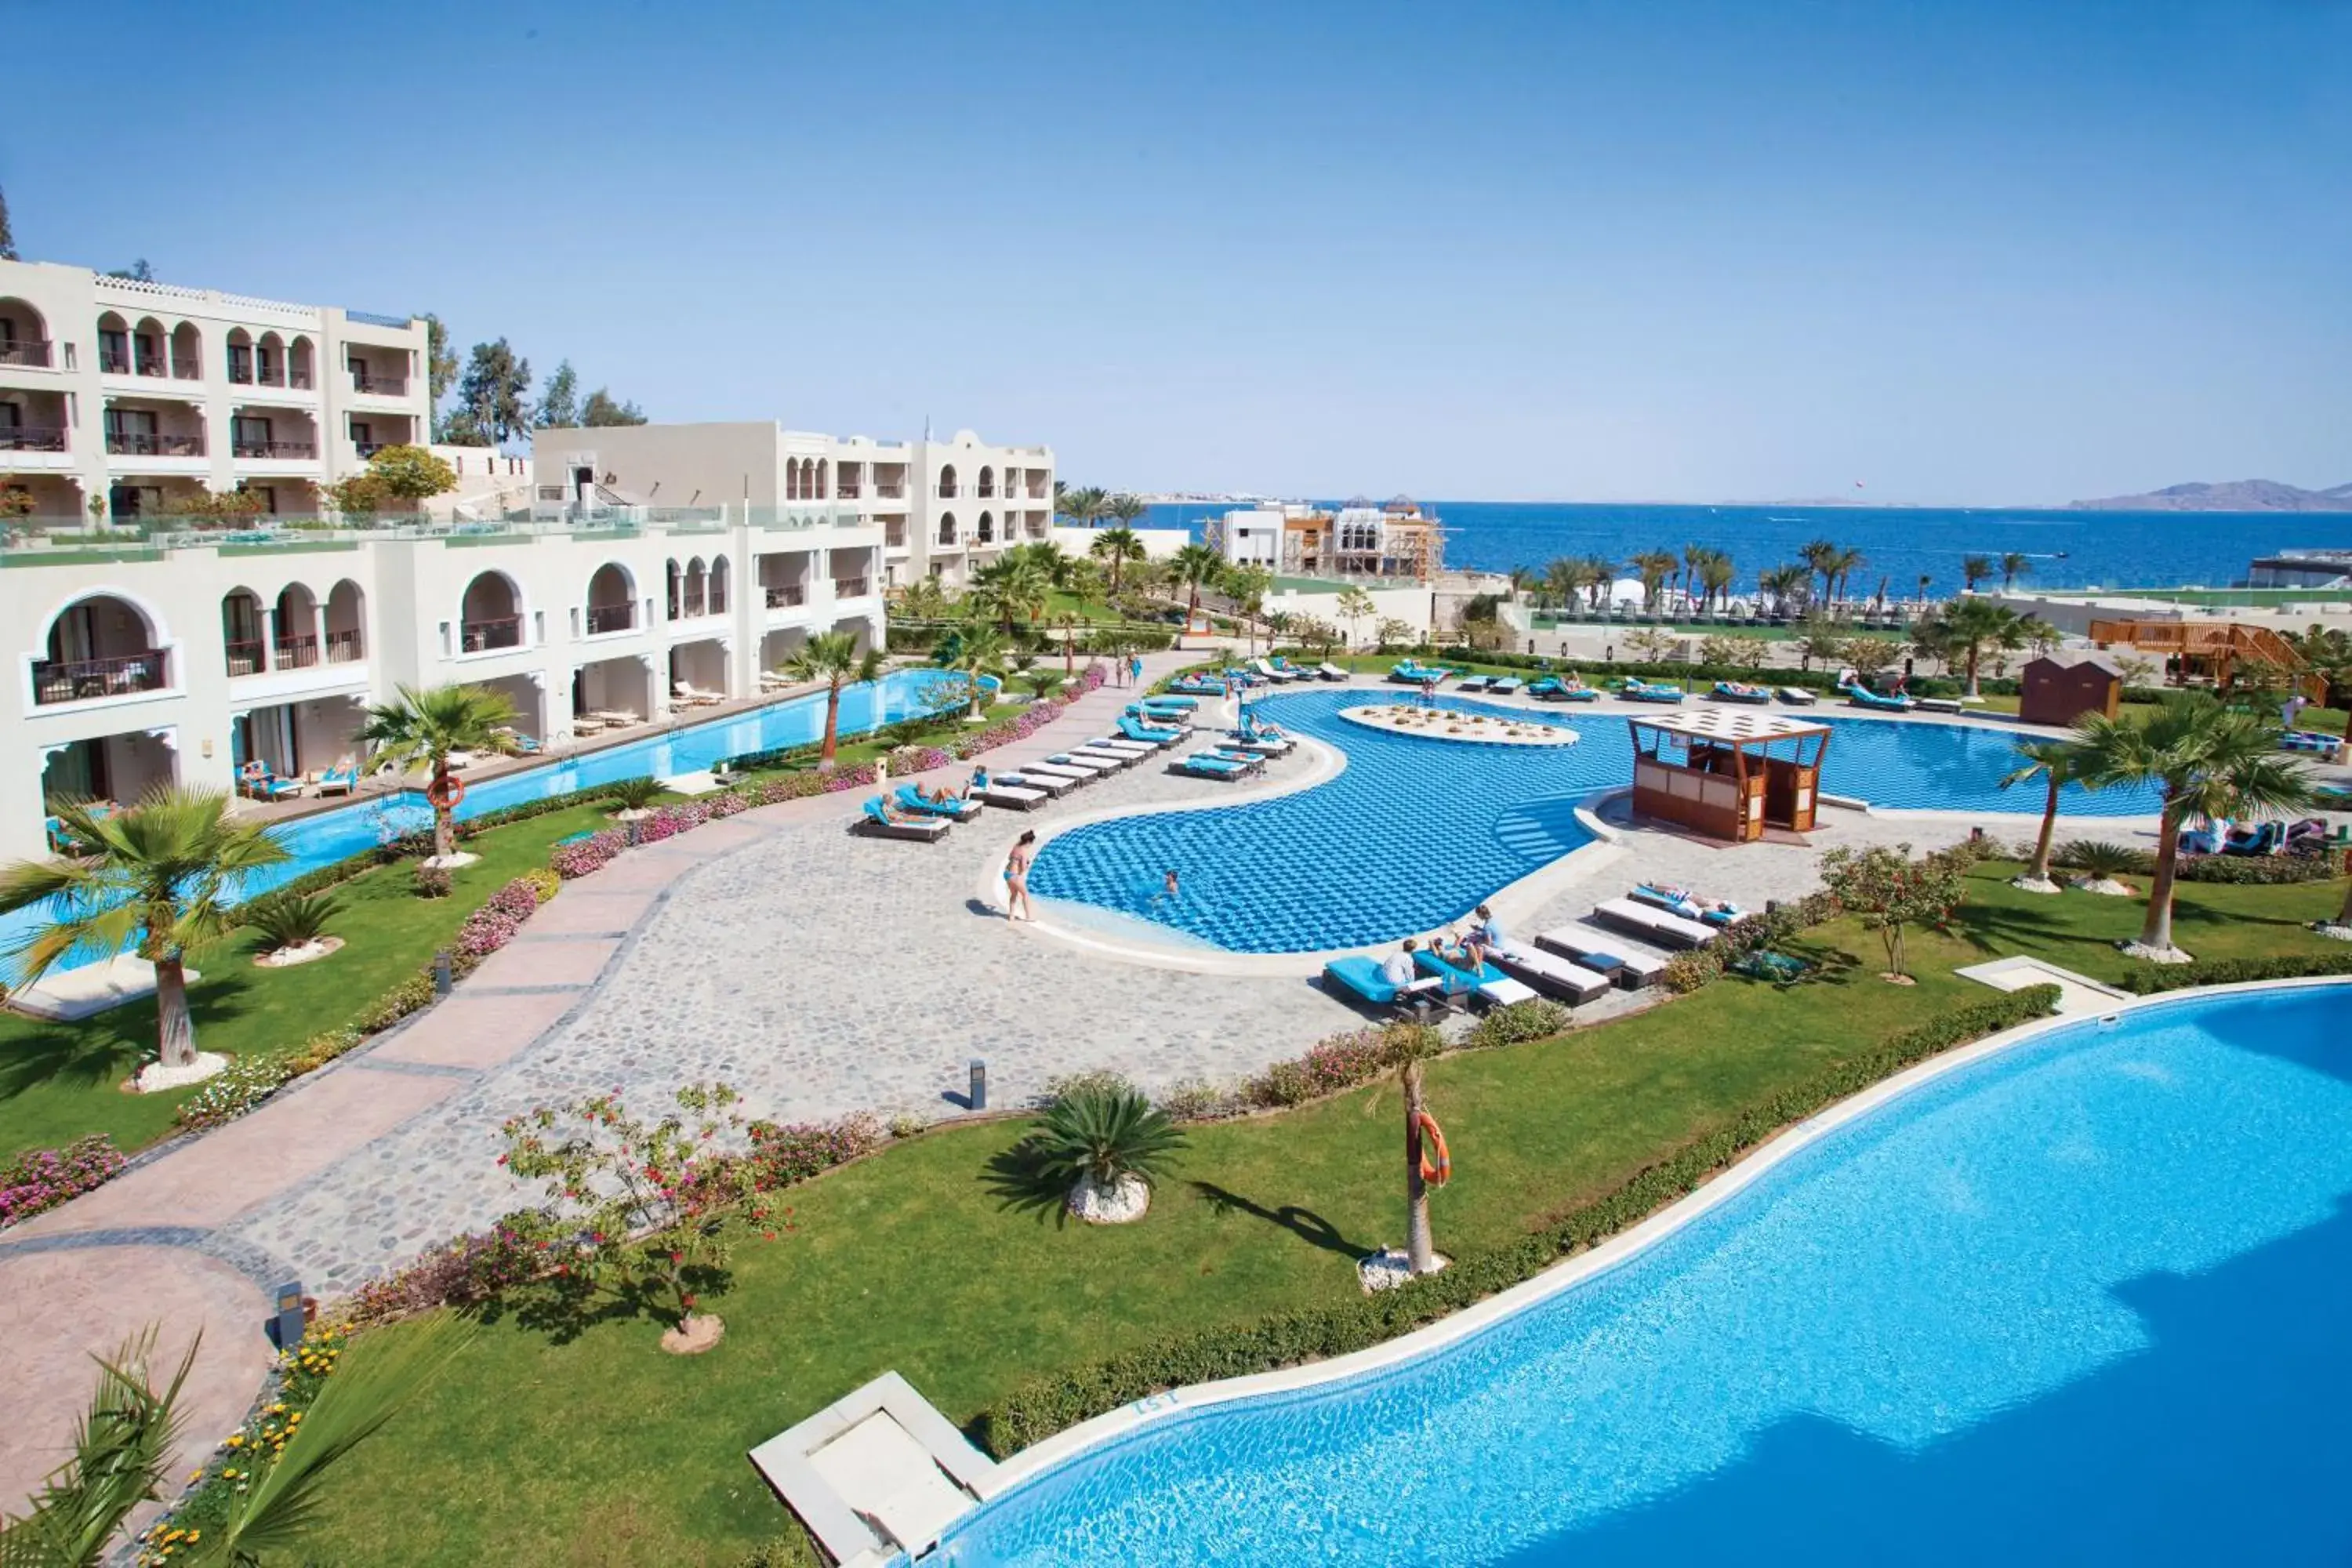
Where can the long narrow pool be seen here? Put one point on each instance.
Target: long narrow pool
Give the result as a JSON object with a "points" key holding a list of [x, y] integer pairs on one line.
{"points": [[2084, 1301]]}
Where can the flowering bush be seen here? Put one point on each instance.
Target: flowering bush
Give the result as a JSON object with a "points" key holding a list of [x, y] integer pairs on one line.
{"points": [[467, 1272], [432, 881], [795, 1152], [1340, 1061], [543, 882], [43, 1178], [582, 856], [727, 804], [321, 1049], [493, 925], [246, 1082]]}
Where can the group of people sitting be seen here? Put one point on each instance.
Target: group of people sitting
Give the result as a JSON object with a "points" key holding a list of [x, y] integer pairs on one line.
{"points": [[939, 794], [1464, 950]]}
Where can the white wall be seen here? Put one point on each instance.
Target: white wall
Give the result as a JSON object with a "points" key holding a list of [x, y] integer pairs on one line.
{"points": [[1159, 544]]}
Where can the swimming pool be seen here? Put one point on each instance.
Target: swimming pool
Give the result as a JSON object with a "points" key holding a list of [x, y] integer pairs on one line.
{"points": [[324, 837], [2079, 1302], [1416, 831]]}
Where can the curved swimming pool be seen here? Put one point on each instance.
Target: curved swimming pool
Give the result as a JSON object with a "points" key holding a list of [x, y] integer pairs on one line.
{"points": [[2080, 1300], [1416, 831]]}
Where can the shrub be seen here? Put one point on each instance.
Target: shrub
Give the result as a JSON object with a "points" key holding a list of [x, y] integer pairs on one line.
{"points": [[782, 1155], [2304, 863], [1198, 1099], [41, 1179], [2147, 979], [583, 855], [1101, 1080], [287, 919], [229, 1094], [1687, 972], [493, 925], [903, 1126], [1043, 1406], [432, 881], [1891, 891], [632, 794], [2100, 859], [467, 1272], [411, 996], [320, 1049], [1517, 1023], [1103, 1135], [543, 882], [1340, 1061]]}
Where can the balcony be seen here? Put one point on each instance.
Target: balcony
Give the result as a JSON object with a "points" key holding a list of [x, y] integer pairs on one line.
{"points": [[611, 618], [889, 489], [852, 587], [111, 362], [846, 490], [187, 369], [245, 655], [274, 448], [31, 352], [947, 492], [30, 438], [343, 647], [378, 385], [297, 653], [895, 537], [81, 679], [135, 444], [367, 449], [481, 637], [786, 597], [986, 493]]}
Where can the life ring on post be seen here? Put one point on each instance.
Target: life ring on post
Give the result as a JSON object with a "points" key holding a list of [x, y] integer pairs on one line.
{"points": [[1435, 1169], [445, 791]]}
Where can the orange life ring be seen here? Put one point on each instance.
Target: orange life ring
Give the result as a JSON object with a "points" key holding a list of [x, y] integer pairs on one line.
{"points": [[445, 791], [1440, 1170]]}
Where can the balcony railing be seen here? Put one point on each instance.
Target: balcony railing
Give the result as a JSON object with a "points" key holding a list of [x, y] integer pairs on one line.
{"points": [[26, 351], [187, 369], [985, 492], [852, 587], [151, 364], [113, 364], [297, 653], [611, 618], [370, 449], [244, 658], [895, 537], [240, 375], [343, 647], [274, 448], [786, 595], [137, 444], [889, 490], [78, 679], [688, 608], [480, 636], [379, 385], [846, 490], [30, 438], [298, 379]]}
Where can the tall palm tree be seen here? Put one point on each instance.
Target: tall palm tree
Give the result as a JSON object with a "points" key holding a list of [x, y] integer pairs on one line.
{"points": [[1924, 581], [1819, 556], [1964, 628], [923, 599], [834, 658], [1843, 564], [1124, 509], [979, 651], [2013, 566], [152, 878], [1975, 569], [1080, 507], [1599, 572], [1784, 583], [2208, 762], [426, 724], [1118, 546], [1192, 565], [1248, 587], [1013, 588], [1654, 567], [2058, 762], [1715, 576], [1564, 579]]}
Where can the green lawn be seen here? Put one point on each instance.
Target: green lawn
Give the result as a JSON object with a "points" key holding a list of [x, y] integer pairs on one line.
{"points": [[59, 1081], [603, 1451]]}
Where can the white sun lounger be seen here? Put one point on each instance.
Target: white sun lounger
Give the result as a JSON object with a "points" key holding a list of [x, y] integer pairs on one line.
{"points": [[1550, 972], [1020, 797], [1055, 783], [1330, 671], [1076, 772], [1109, 761], [1279, 676], [1125, 748], [1633, 967], [1656, 925]]}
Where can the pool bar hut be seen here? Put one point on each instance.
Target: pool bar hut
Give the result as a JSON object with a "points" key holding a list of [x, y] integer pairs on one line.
{"points": [[1728, 772]]}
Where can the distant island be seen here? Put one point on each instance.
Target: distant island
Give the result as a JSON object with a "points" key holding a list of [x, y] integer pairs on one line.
{"points": [[2238, 495]]}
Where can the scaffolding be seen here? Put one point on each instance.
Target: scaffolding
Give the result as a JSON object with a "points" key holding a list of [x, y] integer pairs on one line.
{"points": [[2214, 648]]}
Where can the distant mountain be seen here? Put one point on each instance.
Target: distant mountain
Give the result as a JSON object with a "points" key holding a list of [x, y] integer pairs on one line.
{"points": [[2238, 495]]}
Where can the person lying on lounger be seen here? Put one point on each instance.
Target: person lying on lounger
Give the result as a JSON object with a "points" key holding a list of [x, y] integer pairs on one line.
{"points": [[893, 812]]}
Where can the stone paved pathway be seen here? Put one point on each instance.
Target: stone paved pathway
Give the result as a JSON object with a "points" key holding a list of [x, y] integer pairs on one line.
{"points": [[819, 971]]}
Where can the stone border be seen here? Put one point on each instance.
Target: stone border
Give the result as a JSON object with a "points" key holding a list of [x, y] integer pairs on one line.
{"points": [[1067, 1445], [1556, 735]]}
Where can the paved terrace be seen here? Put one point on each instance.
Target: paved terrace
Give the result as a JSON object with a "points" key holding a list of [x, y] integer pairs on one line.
{"points": [[820, 972]]}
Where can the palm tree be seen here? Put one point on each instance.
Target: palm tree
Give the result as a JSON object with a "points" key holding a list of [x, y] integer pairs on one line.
{"points": [[1192, 565], [923, 599], [1843, 564], [1248, 587], [834, 658], [1784, 583], [979, 652], [1100, 1138], [1654, 567], [152, 878], [121, 1454], [1964, 628], [1082, 506], [1715, 576], [2058, 762], [2013, 566], [426, 725], [2208, 762], [1014, 587], [1118, 546], [1924, 581], [1819, 556], [1564, 580], [1975, 569], [1419, 1252]]}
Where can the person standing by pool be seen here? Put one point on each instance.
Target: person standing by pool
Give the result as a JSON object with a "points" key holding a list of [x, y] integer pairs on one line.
{"points": [[1135, 669], [1016, 878]]}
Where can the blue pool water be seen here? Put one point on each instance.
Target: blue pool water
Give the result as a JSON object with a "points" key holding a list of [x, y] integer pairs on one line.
{"points": [[2081, 1302], [1416, 831], [326, 837]]}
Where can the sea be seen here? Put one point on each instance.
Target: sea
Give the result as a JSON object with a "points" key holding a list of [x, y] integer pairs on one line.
{"points": [[1899, 545]]}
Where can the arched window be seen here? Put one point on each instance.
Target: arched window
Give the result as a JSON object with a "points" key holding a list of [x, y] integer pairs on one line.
{"points": [[269, 361], [492, 615], [946, 479], [243, 634], [240, 356], [100, 645], [24, 334], [113, 344], [822, 478], [719, 585], [188, 353], [674, 598], [346, 623], [947, 527], [147, 340], [791, 478], [611, 599], [299, 366], [696, 585], [296, 645], [987, 531], [987, 482]]}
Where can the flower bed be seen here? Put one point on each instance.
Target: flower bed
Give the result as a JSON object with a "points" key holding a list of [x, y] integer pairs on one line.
{"points": [[41, 1179]]}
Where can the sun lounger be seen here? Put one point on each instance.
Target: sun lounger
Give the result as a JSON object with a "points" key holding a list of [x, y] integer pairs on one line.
{"points": [[1020, 797], [1208, 767], [1863, 696], [1737, 691], [1252, 760], [1052, 783], [1182, 707], [1562, 977], [1102, 757], [1629, 967], [1653, 924], [1636, 690], [1676, 902], [1330, 671], [1360, 979], [1124, 745], [1503, 685], [1280, 677], [1939, 704], [1085, 770], [1485, 982], [1796, 696], [1471, 683], [908, 798], [1277, 748], [1060, 773], [692, 697], [875, 822], [341, 779]]}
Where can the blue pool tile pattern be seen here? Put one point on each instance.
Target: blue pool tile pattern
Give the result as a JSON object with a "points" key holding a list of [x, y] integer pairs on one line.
{"points": [[1417, 830], [2080, 1303]]}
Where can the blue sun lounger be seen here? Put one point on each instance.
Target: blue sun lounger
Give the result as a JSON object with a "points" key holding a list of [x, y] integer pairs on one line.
{"points": [[876, 822], [906, 798], [1637, 689], [1168, 702], [1863, 696], [1486, 983], [1148, 734], [1197, 688], [1208, 765], [1503, 685], [1359, 979]]}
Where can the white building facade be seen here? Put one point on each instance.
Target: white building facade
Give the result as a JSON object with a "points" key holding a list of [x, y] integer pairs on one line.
{"points": [[135, 395]]}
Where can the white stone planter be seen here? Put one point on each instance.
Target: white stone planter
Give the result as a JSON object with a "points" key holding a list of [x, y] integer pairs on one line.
{"points": [[154, 1077], [1122, 1202]]}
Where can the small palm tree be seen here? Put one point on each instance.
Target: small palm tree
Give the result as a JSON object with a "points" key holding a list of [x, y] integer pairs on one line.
{"points": [[836, 658], [2101, 862], [1116, 547], [977, 652], [121, 1454], [1820, 556], [2057, 764], [1784, 583], [288, 920], [1082, 506], [1975, 569], [1965, 629], [1192, 565], [426, 725], [2209, 762], [2013, 566], [153, 878], [633, 795], [1107, 1142]]}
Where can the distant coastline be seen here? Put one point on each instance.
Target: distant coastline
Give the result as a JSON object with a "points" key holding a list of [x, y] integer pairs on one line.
{"points": [[2236, 495]]}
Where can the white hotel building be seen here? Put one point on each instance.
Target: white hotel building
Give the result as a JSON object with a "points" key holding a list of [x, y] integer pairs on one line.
{"points": [[653, 556]]}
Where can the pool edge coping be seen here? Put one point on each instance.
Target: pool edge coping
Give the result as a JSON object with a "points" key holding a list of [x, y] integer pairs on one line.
{"points": [[1031, 1463]]}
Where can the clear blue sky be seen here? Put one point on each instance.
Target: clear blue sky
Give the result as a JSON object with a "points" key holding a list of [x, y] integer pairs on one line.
{"points": [[1965, 252]]}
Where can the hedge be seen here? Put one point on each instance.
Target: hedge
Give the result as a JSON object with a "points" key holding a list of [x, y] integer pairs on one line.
{"points": [[2148, 979], [1042, 1407], [420, 844], [2315, 863]]}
